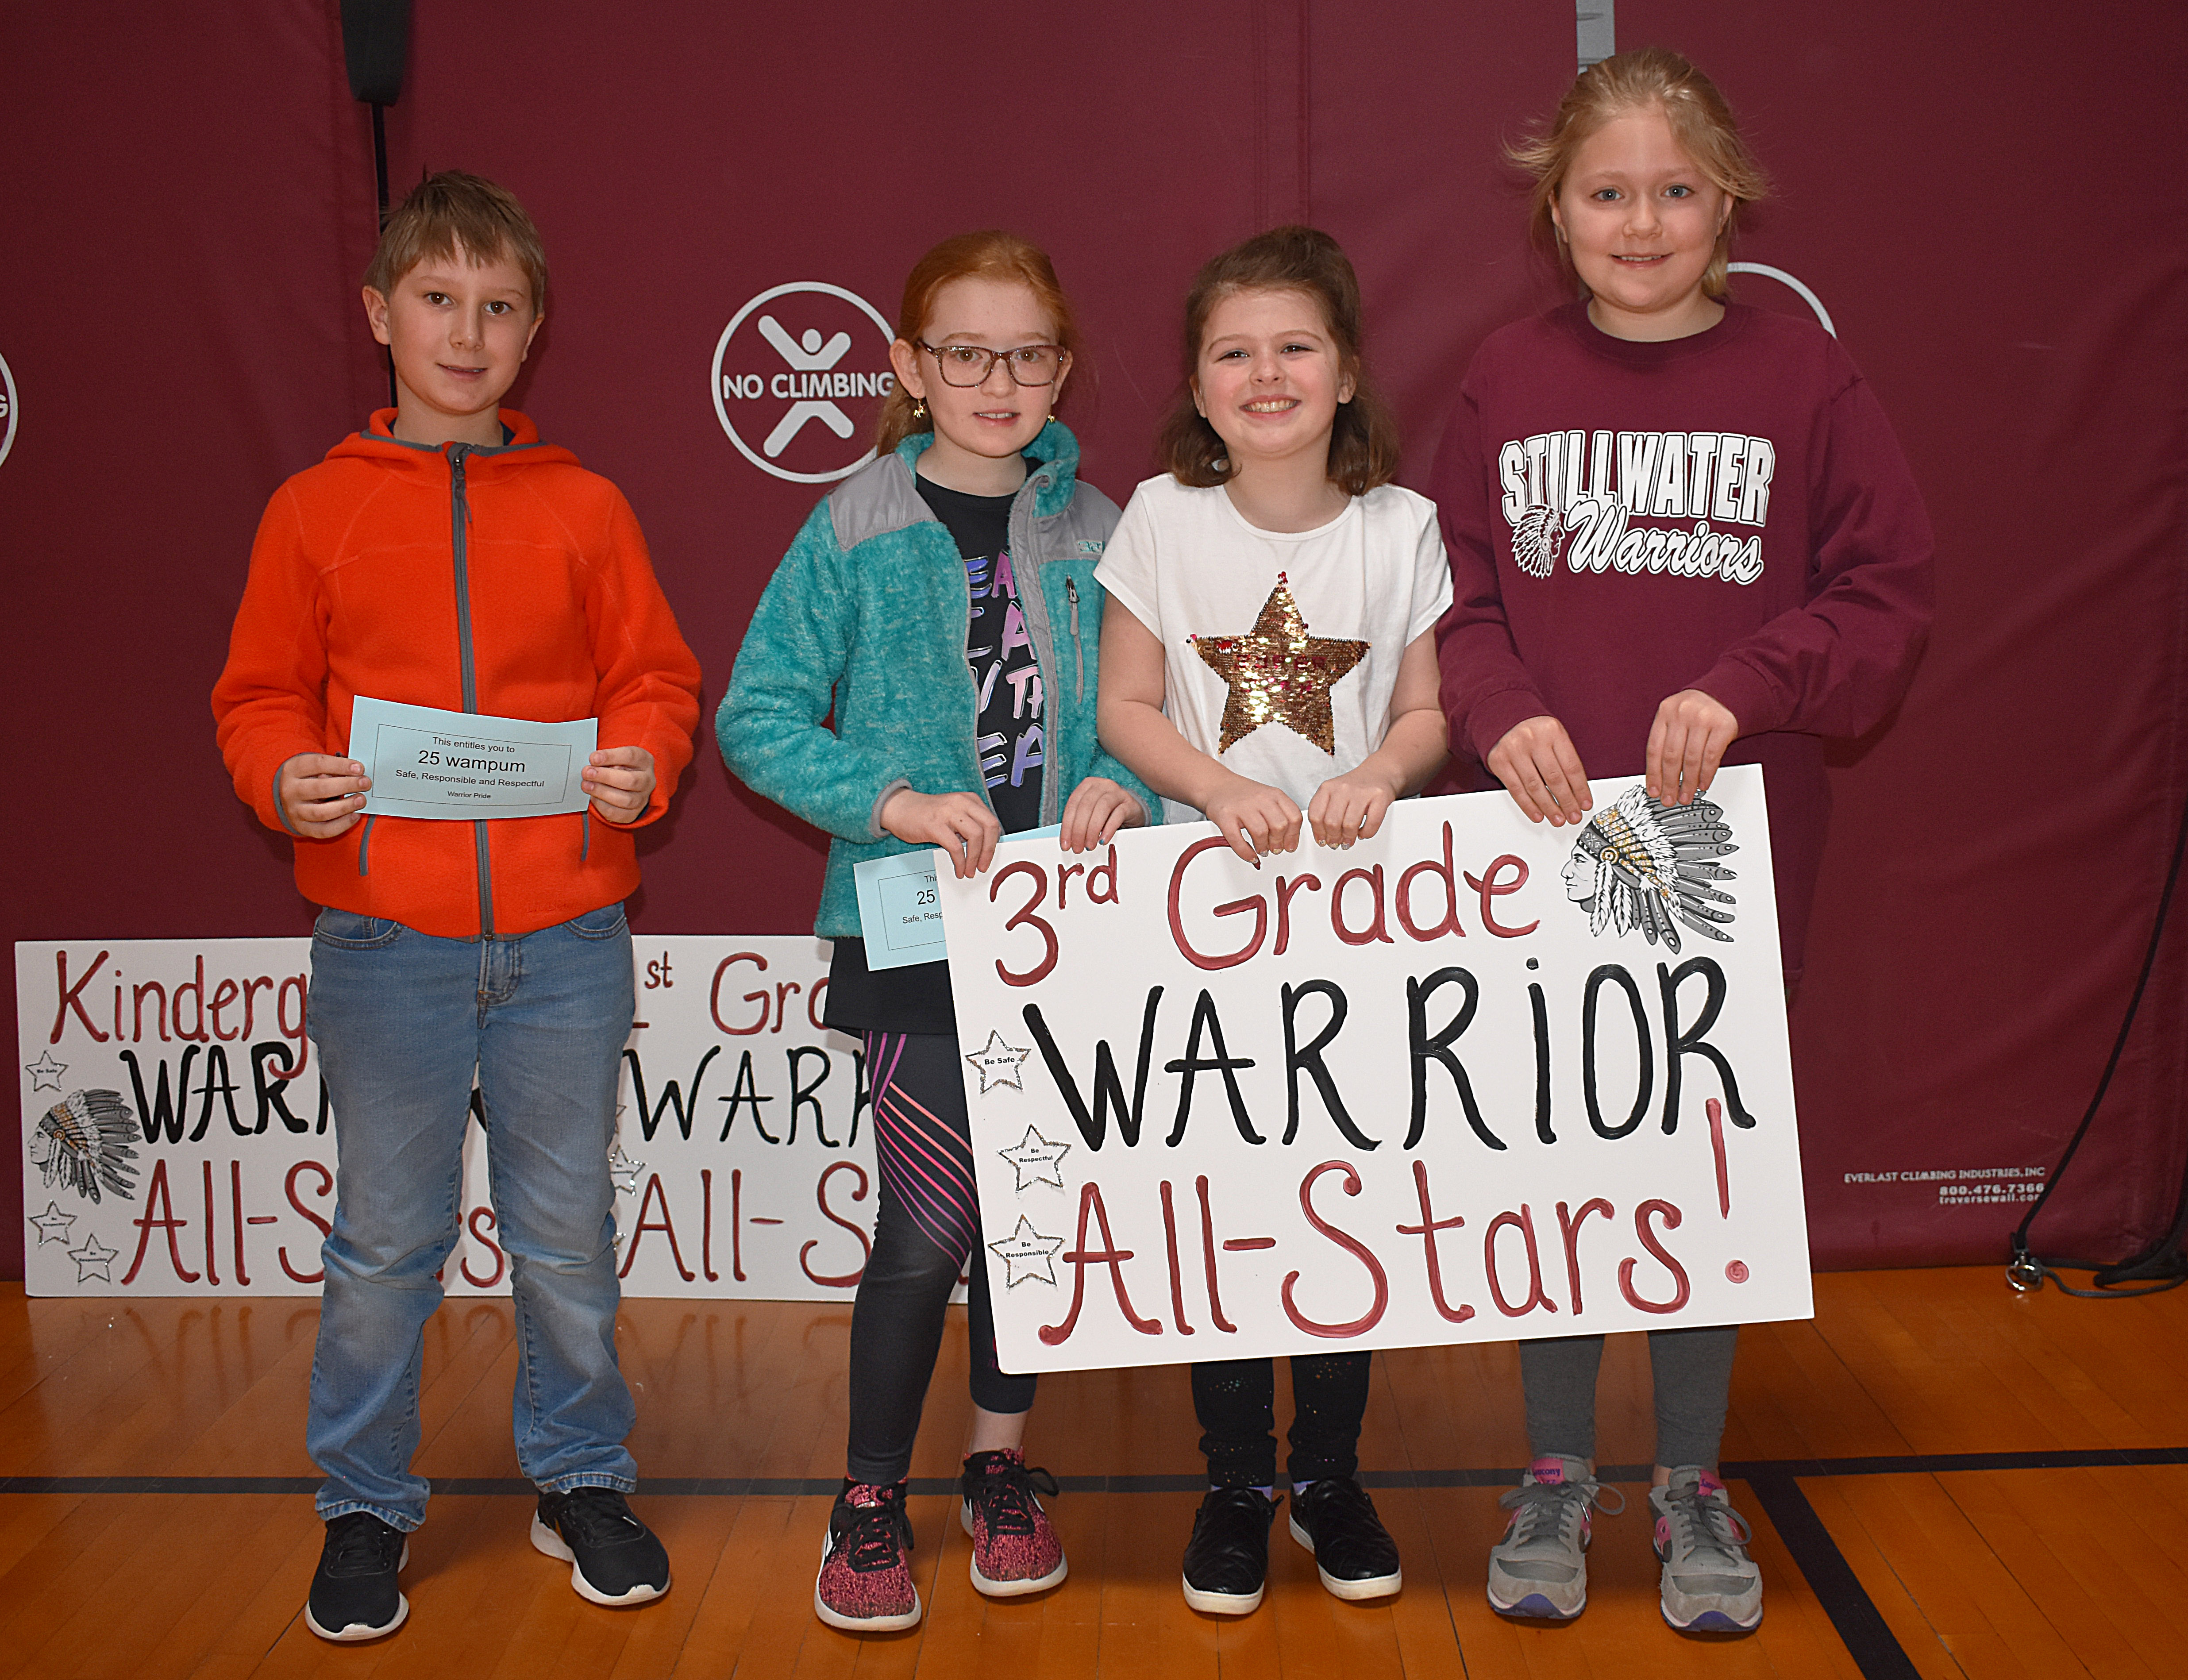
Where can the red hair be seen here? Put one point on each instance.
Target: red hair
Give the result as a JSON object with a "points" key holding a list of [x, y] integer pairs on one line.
{"points": [[992, 255]]}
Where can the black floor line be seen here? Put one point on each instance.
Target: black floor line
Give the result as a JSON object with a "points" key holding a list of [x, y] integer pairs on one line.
{"points": [[1776, 1483], [1752, 1470], [1875, 1648]]}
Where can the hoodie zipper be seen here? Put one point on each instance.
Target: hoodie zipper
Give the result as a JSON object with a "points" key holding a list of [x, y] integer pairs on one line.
{"points": [[1078, 657], [459, 525]]}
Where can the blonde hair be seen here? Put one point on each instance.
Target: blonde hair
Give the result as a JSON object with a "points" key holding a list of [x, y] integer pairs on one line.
{"points": [[992, 255], [453, 211], [1648, 77]]}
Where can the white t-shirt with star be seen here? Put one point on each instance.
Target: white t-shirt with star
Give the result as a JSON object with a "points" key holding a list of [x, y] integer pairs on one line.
{"points": [[1263, 666]]}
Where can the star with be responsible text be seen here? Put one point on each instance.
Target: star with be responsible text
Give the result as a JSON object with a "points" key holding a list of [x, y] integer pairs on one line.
{"points": [[92, 1261], [1027, 1256], [53, 1224], [45, 1073], [999, 1064], [1035, 1159]]}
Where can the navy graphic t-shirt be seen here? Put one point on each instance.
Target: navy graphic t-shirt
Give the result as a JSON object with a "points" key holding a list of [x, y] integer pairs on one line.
{"points": [[1010, 740], [1009, 735]]}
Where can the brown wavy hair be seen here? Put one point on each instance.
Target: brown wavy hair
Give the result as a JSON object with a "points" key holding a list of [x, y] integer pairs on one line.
{"points": [[990, 255], [1363, 444], [1700, 121], [454, 210]]}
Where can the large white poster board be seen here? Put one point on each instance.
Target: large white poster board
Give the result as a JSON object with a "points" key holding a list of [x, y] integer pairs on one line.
{"points": [[1475, 1079], [177, 1141]]}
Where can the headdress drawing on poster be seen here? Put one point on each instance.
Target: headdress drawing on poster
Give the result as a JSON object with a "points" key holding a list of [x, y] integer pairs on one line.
{"points": [[1643, 864], [83, 1144]]}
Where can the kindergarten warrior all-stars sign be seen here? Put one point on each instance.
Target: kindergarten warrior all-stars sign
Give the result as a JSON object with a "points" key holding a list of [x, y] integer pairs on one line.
{"points": [[1472, 1080], [177, 1139]]}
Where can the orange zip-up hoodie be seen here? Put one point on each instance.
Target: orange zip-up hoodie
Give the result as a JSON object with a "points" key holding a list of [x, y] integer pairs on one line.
{"points": [[507, 581]]}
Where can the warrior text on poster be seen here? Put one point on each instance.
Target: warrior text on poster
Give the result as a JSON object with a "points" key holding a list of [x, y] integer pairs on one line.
{"points": [[1474, 1079]]}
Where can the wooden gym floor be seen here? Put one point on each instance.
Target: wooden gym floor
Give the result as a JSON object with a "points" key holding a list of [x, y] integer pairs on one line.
{"points": [[1944, 1480]]}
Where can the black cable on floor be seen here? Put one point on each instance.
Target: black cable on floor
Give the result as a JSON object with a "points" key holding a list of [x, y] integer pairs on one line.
{"points": [[2162, 1262]]}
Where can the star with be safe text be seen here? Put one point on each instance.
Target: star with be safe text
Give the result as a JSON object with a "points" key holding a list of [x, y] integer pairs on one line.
{"points": [[999, 1064]]}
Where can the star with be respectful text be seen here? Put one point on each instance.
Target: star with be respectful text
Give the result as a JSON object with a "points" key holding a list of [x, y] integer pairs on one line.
{"points": [[53, 1224], [92, 1261], [621, 1169], [45, 1073], [1279, 673], [1035, 1159], [999, 1064], [1027, 1256]]}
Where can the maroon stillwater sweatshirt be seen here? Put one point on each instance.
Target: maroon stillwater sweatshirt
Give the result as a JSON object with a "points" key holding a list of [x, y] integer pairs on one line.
{"points": [[1728, 512]]}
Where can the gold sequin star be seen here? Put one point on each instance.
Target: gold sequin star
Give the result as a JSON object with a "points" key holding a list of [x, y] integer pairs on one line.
{"points": [[1279, 673]]}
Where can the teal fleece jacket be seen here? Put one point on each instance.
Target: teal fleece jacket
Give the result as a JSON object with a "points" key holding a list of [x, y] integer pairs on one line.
{"points": [[867, 616]]}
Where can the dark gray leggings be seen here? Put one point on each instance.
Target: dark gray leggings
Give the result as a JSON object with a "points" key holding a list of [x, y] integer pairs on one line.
{"points": [[1692, 1371]]}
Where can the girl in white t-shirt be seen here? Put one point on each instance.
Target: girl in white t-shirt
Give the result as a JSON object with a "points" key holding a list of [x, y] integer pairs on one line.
{"points": [[1272, 659]]}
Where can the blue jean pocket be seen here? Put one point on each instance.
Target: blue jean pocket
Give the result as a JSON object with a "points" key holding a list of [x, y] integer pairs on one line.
{"points": [[605, 923], [349, 931]]}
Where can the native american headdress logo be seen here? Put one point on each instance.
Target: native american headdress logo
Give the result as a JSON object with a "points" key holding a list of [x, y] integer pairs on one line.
{"points": [[1536, 538], [1643, 864], [83, 1142]]}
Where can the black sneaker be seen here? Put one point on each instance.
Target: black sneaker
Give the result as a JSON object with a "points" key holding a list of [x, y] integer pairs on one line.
{"points": [[1226, 1561], [613, 1557], [1335, 1519], [354, 1595]]}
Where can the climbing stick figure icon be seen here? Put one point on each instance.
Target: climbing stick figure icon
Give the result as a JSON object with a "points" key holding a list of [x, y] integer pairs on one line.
{"points": [[807, 355]]}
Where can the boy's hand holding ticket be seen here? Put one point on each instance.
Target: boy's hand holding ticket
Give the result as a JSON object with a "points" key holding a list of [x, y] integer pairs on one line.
{"points": [[620, 781], [321, 796]]}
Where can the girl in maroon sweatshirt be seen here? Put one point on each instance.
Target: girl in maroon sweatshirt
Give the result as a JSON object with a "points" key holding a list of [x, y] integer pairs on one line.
{"points": [[1681, 534]]}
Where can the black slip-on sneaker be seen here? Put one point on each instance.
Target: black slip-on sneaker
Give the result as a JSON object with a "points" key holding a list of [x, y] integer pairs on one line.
{"points": [[1226, 1561], [1335, 1519]]}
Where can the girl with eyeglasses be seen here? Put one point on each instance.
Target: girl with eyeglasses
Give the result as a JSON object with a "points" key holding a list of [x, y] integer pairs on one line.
{"points": [[940, 603], [1269, 665]]}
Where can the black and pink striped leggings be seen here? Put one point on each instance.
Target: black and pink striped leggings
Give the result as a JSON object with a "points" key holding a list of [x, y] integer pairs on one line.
{"points": [[927, 1230]]}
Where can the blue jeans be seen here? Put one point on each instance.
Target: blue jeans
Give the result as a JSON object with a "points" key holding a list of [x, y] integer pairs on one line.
{"points": [[402, 1021]]}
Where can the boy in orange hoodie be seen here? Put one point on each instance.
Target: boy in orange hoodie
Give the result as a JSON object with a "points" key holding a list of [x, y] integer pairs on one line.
{"points": [[445, 557]]}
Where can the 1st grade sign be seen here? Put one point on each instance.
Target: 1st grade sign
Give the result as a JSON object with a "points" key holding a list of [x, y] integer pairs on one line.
{"points": [[1473, 1080]]}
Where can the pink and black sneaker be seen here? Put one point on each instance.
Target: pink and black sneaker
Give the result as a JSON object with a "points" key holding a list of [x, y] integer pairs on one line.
{"points": [[865, 1585], [1015, 1550]]}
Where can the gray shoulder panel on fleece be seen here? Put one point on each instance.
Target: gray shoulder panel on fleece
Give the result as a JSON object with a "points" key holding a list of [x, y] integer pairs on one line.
{"points": [[873, 501], [1091, 517]]}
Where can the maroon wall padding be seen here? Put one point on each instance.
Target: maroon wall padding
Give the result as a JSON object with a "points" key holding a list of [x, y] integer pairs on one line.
{"points": [[1982, 196], [188, 196]]}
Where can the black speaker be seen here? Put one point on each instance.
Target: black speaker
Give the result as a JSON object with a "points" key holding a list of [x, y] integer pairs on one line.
{"points": [[376, 43]]}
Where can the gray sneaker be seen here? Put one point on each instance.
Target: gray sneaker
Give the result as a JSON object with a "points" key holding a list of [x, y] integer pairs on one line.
{"points": [[1539, 1569], [1710, 1584]]}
